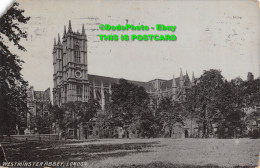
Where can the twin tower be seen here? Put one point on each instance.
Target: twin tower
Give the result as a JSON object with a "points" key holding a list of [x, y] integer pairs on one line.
{"points": [[73, 83], [70, 75]]}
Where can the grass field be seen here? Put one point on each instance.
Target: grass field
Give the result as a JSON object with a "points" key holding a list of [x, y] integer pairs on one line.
{"points": [[139, 153]]}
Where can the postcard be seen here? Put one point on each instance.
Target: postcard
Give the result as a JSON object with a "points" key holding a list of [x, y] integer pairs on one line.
{"points": [[134, 83]]}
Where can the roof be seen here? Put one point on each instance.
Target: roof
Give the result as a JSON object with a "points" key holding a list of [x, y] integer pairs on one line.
{"points": [[147, 85], [98, 79], [42, 95], [109, 80]]}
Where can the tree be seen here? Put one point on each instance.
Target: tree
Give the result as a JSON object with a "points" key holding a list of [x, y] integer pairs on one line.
{"points": [[205, 92], [191, 106], [213, 101], [147, 124], [90, 109], [41, 123], [57, 115], [12, 85], [251, 123], [169, 113], [251, 100], [76, 113], [251, 93], [229, 104], [128, 102]]}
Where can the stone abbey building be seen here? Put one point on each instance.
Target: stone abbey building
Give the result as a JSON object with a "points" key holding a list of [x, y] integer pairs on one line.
{"points": [[73, 83]]}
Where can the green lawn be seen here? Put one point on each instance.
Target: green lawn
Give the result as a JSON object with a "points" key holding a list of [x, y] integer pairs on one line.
{"points": [[137, 153]]}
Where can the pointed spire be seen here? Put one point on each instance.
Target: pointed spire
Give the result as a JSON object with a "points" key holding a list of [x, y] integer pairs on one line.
{"points": [[187, 78], [181, 79], [181, 75], [193, 79], [173, 82], [83, 30], [69, 29], [59, 39], [64, 31], [187, 81]]}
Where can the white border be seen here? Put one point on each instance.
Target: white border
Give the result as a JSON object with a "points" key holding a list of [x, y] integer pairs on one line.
{"points": [[4, 4]]}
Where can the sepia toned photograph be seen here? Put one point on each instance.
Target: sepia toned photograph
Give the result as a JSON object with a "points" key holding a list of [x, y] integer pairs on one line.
{"points": [[130, 84]]}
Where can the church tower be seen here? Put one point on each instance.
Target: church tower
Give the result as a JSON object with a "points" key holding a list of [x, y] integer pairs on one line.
{"points": [[70, 67]]}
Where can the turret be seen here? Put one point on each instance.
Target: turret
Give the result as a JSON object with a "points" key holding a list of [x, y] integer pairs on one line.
{"points": [[69, 29], [59, 43], [64, 33], [181, 79], [59, 55], [54, 54], [54, 49], [83, 30], [54, 45], [187, 80]]}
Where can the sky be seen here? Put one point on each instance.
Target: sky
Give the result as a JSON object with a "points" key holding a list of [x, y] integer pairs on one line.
{"points": [[211, 34]]}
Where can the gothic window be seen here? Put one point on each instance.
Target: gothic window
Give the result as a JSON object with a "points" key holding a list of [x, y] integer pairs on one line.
{"points": [[77, 54], [98, 94], [79, 92], [91, 93], [106, 93]]}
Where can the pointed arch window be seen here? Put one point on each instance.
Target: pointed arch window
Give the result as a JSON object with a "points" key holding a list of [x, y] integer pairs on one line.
{"points": [[79, 92], [77, 54]]}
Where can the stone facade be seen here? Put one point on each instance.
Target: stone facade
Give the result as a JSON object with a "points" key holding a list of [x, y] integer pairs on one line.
{"points": [[70, 67], [73, 83], [37, 103]]}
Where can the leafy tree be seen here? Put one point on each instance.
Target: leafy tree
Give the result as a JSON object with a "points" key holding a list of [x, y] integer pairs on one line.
{"points": [[57, 116], [41, 123], [205, 92], [251, 93], [213, 100], [104, 125], [169, 113], [76, 113], [127, 105], [251, 123], [73, 116], [146, 124], [90, 109], [12, 85], [251, 100], [230, 107], [191, 105]]}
